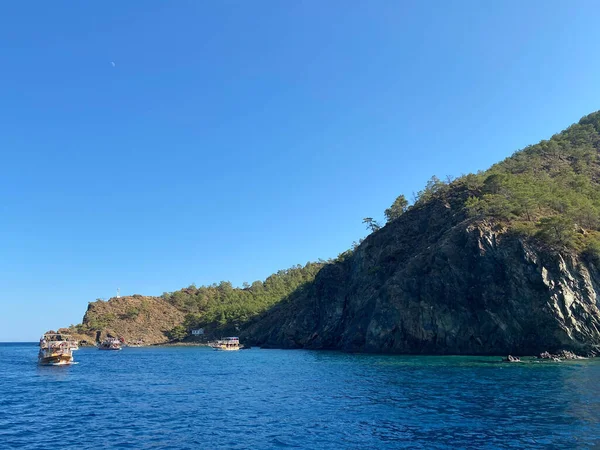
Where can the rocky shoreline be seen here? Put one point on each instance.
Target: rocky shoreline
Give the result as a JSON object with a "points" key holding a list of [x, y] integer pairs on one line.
{"points": [[563, 355]]}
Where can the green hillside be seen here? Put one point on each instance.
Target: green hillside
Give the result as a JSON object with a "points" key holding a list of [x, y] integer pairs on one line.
{"points": [[548, 191], [223, 309]]}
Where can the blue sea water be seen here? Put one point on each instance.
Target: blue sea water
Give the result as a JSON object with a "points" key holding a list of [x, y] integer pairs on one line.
{"points": [[193, 397]]}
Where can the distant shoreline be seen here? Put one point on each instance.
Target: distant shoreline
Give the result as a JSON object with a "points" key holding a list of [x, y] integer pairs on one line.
{"points": [[524, 358], [180, 344]]}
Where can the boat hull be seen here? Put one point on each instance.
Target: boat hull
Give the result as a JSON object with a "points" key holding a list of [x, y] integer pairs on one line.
{"points": [[58, 360]]}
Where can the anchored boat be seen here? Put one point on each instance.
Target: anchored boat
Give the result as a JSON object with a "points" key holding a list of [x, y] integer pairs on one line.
{"points": [[55, 350], [227, 344], [110, 344]]}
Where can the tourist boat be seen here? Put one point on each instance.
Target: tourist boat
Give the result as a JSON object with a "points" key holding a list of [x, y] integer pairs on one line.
{"points": [[110, 344], [227, 344], [55, 350], [136, 343]]}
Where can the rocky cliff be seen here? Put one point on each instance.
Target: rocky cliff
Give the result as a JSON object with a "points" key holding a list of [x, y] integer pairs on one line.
{"points": [[503, 261], [498, 262], [436, 282]]}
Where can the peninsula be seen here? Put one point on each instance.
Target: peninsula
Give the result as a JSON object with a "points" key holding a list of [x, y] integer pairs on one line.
{"points": [[502, 261]]}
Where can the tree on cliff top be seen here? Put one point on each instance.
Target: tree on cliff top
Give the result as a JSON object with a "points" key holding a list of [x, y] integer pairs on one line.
{"points": [[398, 208], [371, 224]]}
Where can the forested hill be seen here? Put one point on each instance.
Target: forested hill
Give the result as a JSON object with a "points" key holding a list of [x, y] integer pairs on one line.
{"points": [[220, 309], [500, 261], [505, 260], [548, 191]]}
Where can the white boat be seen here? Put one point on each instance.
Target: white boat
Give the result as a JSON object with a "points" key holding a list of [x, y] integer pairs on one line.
{"points": [[135, 343], [110, 344], [227, 344], [55, 350]]}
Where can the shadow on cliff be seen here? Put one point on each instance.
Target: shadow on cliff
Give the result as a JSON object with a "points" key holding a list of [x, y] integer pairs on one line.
{"points": [[436, 282]]}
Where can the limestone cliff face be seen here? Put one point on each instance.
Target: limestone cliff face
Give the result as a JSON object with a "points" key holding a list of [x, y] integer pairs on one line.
{"points": [[133, 318], [435, 282]]}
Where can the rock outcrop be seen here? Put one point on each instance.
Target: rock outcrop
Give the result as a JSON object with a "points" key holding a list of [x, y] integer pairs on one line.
{"points": [[134, 318], [563, 354], [435, 282]]}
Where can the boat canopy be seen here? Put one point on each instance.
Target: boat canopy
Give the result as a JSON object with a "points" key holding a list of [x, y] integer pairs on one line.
{"points": [[56, 337]]}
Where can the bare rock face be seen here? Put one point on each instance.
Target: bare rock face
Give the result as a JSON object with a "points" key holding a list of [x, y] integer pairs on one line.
{"points": [[563, 354], [434, 282], [135, 319]]}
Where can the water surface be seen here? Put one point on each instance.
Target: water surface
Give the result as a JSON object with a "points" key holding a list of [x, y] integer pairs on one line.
{"points": [[193, 397]]}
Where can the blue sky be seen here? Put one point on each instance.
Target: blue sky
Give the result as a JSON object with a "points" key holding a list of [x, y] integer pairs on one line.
{"points": [[231, 139]]}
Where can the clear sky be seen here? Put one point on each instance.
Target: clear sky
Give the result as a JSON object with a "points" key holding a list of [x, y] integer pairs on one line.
{"points": [[148, 145]]}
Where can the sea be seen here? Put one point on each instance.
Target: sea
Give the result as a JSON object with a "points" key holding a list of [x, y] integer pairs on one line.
{"points": [[197, 398]]}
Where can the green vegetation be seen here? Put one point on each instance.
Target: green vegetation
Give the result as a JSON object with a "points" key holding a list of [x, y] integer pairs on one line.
{"points": [[398, 208], [221, 308], [178, 333], [131, 313], [371, 224], [433, 188], [98, 323], [549, 191]]}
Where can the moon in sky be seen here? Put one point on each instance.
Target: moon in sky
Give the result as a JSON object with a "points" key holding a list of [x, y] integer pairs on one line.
{"points": [[112, 63]]}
